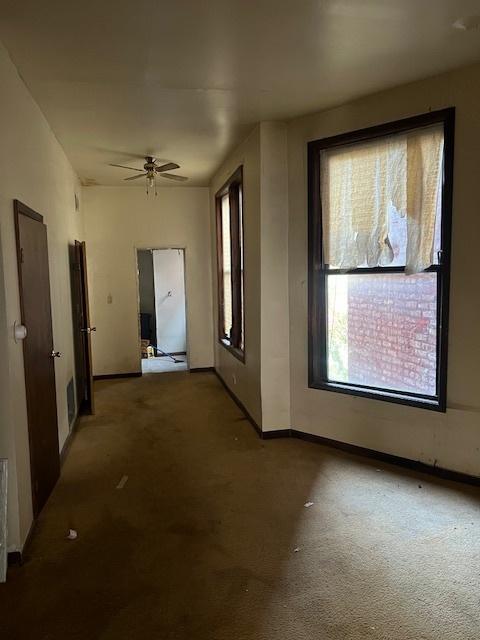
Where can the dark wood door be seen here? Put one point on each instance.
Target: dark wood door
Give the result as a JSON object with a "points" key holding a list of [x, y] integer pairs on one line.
{"points": [[38, 352], [82, 331]]}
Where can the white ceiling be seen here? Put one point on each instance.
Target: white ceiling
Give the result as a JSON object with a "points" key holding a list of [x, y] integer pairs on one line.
{"points": [[186, 80]]}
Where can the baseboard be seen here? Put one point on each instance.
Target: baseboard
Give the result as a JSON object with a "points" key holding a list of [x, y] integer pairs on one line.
{"points": [[168, 353], [202, 369], [277, 433], [239, 404], [406, 463], [114, 376], [414, 465], [16, 558]]}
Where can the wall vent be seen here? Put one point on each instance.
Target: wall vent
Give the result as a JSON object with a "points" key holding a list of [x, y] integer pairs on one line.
{"points": [[71, 402]]}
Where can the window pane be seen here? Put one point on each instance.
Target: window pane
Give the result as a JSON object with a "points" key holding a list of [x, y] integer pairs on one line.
{"points": [[382, 331], [227, 268]]}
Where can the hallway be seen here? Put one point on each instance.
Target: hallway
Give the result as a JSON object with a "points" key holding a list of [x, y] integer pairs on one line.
{"points": [[209, 538]]}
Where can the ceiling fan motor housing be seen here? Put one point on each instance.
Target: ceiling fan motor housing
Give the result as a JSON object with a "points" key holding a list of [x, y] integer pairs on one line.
{"points": [[150, 164]]}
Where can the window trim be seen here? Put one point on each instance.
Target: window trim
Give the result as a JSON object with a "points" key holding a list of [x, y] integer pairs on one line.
{"points": [[317, 273], [232, 186]]}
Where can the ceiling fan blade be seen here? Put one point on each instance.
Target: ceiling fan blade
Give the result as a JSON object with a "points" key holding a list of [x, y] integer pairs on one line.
{"points": [[167, 167], [171, 176], [124, 167], [142, 175]]}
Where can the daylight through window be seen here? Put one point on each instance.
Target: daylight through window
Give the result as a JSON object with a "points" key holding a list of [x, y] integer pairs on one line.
{"points": [[379, 237], [229, 207]]}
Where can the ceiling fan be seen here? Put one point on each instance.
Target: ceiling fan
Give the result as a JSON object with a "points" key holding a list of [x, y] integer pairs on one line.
{"points": [[150, 171]]}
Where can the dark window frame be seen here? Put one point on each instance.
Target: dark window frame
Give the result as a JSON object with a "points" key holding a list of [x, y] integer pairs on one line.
{"points": [[318, 271], [234, 188]]}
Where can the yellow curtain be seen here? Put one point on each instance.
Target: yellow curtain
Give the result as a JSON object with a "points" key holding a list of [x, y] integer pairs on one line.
{"points": [[359, 184]]}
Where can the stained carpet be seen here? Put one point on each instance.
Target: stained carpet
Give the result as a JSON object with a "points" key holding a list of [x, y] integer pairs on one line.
{"points": [[207, 536]]}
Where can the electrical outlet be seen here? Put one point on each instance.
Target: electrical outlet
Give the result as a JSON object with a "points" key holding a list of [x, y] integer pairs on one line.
{"points": [[109, 298]]}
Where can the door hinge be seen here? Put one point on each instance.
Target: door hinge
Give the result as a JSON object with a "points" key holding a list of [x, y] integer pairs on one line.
{"points": [[21, 255]]}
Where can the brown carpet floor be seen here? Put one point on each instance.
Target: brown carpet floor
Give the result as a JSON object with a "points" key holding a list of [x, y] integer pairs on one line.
{"points": [[209, 538]]}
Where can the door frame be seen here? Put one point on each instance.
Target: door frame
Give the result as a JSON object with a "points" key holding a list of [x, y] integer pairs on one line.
{"points": [[142, 247]]}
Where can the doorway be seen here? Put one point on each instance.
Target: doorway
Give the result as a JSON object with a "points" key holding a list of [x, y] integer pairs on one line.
{"points": [[39, 354], [162, 310]]}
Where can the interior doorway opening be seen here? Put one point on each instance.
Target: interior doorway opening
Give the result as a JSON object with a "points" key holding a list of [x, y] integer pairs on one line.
{"points": [[162, 310]]}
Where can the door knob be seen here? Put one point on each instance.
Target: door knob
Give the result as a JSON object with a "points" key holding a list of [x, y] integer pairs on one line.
{"points": [[19, 331], [88, 329], [55, 354]]}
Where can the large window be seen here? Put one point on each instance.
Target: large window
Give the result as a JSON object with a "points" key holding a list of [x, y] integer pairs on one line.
{"points": [[229, 213], [379, 258]]}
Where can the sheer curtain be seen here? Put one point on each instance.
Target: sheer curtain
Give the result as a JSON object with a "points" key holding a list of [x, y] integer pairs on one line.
{"points": [[360, 183]]}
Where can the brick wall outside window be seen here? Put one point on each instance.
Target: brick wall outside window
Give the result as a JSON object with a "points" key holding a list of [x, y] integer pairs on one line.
{"points": [[391, 332]]}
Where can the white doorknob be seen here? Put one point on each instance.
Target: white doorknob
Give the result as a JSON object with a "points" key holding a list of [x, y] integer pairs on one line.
{"points": [[19, 331]]}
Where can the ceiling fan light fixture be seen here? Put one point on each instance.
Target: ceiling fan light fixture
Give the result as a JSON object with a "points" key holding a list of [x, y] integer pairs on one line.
{"points": [[151, 183]]}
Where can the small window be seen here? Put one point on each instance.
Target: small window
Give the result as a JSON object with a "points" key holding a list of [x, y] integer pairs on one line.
{"points": [[229, 214], [379, 234]]}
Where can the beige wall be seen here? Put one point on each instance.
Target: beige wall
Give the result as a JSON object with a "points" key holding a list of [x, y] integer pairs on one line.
{"points": [[275, 365], [450, 440], [243, 378], [118, 220], [33, 169], [262, 383]]}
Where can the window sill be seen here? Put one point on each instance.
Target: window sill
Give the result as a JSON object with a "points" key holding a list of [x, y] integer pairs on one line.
{"points": [[432, 404], [235, 351]]}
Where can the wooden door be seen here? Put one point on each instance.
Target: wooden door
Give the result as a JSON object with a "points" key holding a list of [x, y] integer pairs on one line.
{"points": [[38, 352], [82, 331]]}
